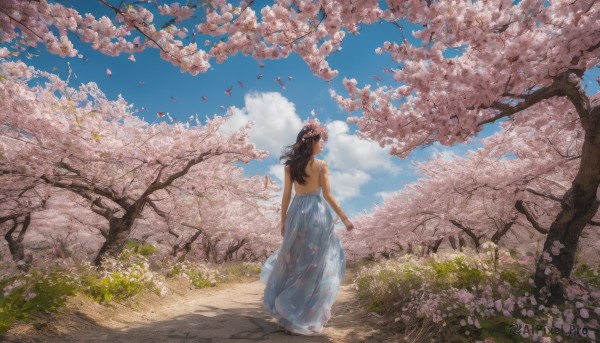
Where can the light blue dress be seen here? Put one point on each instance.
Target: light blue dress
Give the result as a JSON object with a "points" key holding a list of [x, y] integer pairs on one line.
{"points": [[303, 275]]}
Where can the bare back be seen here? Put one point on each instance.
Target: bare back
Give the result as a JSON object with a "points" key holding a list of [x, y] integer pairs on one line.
{"points": [[313, 181]]}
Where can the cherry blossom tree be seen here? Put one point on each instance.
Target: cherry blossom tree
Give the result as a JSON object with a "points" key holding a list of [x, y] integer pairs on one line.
{"points": [[20, 197], [96, 148], [218, 218], [505, 188]]}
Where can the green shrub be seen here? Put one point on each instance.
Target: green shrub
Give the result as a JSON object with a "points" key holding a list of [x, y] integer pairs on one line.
{"points": [[199, 275], [470, 297], [33, 293], [198, 279], [119, 282], [457, 272], [134, 247]]}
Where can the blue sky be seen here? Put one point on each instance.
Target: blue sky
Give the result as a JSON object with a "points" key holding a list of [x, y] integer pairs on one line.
{"points": [[361, 172]]}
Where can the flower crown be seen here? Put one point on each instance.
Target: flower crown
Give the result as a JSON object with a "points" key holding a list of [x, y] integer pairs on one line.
{"points": [[315, 130]]}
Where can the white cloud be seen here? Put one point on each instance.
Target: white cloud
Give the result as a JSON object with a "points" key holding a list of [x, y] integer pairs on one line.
{"points": [[448, 152], [277, 171], [386, 195], [348, 152], [346, 185], [276, 123]]}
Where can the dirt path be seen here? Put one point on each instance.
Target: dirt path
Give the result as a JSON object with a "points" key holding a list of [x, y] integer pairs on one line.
{"points": [[228, 313]]}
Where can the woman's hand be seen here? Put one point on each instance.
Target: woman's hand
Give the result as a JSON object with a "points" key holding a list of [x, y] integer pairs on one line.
{"points": [[348, 223]]}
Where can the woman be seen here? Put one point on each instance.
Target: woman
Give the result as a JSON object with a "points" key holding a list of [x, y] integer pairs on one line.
{"points": [[303, 275]]}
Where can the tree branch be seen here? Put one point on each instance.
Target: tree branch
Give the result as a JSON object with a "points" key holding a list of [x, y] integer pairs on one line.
{"points": [[156, 184], [528, 100], [468, 231], [576, 94], [500, 233], [85, 185], [520, 206], [172, 232], [549, 196], [24, 228], [124, 15], [310, 31], [23, 25], [156, 209]]}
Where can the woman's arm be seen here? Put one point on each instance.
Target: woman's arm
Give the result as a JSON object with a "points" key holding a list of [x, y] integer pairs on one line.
{"points": [[327, 192], [287, 195]]}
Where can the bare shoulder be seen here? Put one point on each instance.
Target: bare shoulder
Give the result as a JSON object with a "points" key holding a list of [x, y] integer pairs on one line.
{"points": [[322, 163]]}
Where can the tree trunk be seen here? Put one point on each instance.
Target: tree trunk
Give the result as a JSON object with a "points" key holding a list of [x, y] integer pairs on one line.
{"points": [[461, 243], [385, 254], [187, 246], [469, 233], [410, 249], [232, 248], [436, 245], [579, 205], [210, 248], [15, 245], [118, 233], [501, 230], [452, 240]]}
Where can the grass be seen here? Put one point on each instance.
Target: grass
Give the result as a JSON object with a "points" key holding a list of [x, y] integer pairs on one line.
{"points": [[120, 280]]}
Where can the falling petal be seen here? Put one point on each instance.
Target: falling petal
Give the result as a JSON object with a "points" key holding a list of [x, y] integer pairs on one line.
{"points": [[206, 42], [141, 83], [313, 113], [260, 76], [261, 65], [131, 58], [173, 99], [241, 84], [108, 72], [278, 80], [377, 78], [290, 78], [222, 107], [30, 55], [204, 98], [161, 114], [228, 91]]}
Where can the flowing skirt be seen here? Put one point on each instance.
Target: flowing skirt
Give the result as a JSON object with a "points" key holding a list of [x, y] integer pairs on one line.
{"points": [[303, 275]]}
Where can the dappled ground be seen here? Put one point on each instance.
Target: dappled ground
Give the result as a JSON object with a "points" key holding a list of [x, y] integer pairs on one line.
{"points": [[226, 313]]}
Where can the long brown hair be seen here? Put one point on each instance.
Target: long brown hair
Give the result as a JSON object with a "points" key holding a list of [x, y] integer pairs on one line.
{"points": [[298, 154]]}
